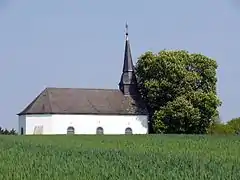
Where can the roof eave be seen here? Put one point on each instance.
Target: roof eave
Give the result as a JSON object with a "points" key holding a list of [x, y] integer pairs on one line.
{"points": [[65, 113]]}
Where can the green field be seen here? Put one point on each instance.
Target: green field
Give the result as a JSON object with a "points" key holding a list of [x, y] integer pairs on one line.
{"points": [[119, 157]]}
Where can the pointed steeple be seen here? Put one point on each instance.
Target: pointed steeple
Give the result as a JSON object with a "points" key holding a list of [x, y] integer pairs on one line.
{"points": [[128, 63], [128, 82]]}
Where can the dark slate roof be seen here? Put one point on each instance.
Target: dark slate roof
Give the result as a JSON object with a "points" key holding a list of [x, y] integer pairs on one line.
{"points": [[85, 101], [128, 63]]}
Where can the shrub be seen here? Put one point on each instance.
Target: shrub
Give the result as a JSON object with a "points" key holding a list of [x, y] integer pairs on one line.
{"points": [[235, 124], [220, 128]]}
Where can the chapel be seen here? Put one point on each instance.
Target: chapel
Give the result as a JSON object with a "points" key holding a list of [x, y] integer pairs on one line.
{"points": [[59, 110]]}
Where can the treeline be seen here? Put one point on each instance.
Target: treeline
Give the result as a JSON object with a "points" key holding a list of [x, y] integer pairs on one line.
{"points": [[231, 127], [7, 132]]}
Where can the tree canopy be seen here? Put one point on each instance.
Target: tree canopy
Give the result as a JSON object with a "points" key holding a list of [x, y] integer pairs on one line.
{"points": [[179, 89]]}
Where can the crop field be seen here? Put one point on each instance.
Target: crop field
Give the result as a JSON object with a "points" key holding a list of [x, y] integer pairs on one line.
{"points": [[134, 157]]}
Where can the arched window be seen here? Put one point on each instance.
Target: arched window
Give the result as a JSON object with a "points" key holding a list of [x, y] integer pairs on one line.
{"points": [[99, 130], [70, 130], [128, 130]]}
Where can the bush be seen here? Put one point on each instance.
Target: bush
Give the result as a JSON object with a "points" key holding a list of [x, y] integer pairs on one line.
{"points": [[235, 124], [7, 132], [220, 128]]}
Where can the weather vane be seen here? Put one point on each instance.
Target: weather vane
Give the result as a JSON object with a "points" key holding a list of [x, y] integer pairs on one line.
{"points": [[126, 29]]}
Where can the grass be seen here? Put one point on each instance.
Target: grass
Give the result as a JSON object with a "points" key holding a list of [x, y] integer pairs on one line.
{"points": [[146, 157]]}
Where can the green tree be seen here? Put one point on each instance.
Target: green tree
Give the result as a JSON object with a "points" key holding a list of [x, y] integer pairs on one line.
{"points": [[235, 124], [179, 89]]}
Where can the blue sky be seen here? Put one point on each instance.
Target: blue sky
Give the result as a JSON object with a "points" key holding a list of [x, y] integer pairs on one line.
{"points": [[73, 43]]}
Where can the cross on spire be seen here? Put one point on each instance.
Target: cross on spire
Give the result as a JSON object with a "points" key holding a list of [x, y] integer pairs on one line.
{"points": [[126, 26]]}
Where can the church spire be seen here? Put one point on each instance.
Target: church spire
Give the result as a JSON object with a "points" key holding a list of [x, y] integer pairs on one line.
{"points": [[128, 82], [128, 63]]}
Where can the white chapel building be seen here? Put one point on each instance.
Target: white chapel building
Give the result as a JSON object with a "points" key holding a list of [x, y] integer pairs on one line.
{"points": [[88, 111]]}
